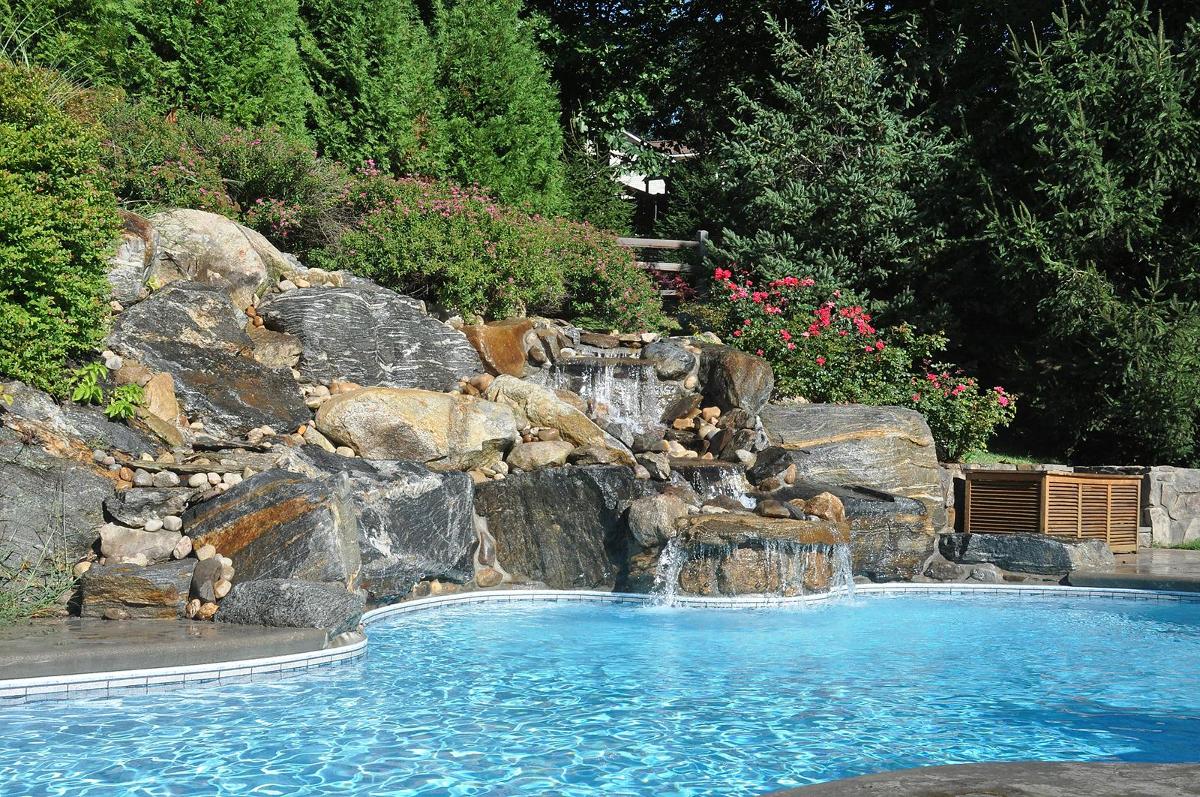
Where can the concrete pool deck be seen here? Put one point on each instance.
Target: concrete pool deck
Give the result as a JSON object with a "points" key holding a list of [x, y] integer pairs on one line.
{"points": [[1153, 568], [70, 647], [1021, 779]]}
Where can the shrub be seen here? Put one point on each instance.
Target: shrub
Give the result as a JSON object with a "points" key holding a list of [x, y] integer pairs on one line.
{"points": [[462, 250], [501, 108], [825, 347], [372, 66], [57, 222], [593, 193]]}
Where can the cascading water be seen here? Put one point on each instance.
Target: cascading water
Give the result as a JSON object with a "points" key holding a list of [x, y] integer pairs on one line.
{"points": [[711, 481], [629, 387], [666, 574]]}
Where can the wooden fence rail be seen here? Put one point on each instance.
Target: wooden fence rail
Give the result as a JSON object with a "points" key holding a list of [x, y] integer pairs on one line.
{"points": [[699, 243]]}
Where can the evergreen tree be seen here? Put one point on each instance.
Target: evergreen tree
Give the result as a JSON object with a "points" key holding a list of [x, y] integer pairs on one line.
{"points": [[372, 65], [501, 108], [235, 59], [829, 174], [85, 39], [1095, 228]]}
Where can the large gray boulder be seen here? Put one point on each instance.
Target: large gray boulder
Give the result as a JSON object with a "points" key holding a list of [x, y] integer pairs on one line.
{"points": [[1027, 553], [205, 247], [69, 426], [413, 523], [372, 336], [50, 507], [444, 430], [194, 333], [283, 525], [156, 592], [851, 445], [564, 527], [285, 603]]}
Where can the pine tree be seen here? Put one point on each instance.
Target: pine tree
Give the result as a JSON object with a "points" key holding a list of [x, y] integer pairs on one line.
{"points": [[1094, 226], [502, 112], [372, 66], [829, 175], [234, 59]]}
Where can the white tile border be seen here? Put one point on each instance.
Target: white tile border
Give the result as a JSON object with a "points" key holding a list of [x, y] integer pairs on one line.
{"points": [[21, 690]]}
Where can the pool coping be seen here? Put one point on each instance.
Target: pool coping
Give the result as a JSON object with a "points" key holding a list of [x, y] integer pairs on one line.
{"points": [[15, 691]]}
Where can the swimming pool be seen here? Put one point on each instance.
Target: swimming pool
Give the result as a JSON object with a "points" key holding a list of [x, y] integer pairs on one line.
{"points": [[584, 699]]}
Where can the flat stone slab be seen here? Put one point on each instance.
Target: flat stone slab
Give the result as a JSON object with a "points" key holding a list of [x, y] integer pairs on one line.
{"points": [[1018, 780], [74, 646], [1155, 568]]}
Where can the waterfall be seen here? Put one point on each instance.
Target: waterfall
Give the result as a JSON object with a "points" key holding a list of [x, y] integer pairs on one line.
{"points": [[714, 480], [666, 574], [628, 387], [843, 570]]}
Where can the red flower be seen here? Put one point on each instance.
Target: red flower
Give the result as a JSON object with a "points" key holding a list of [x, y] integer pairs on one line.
{"points": [[879, 345], [820, 360]]}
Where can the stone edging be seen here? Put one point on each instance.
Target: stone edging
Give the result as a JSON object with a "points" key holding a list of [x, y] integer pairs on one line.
{"points": [[103, 684]]}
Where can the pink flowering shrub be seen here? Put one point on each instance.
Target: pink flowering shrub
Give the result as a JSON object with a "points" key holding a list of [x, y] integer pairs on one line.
{"points": [[826, 347], [460, 249]]}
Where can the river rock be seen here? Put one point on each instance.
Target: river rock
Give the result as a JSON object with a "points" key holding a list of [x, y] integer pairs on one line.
{"points": [[130, 265], [597, 454], [413, 523], [502, 345], [653, 519], [445, 431], [49, 507], [733, 379], [274, 349], [156, 592], [370, 335], [539, 454], [282, 525], [1027, 553], [564, 527], [289, 603], [882, 448], [204, 580], [123, 545], [194, 333], [209, 248]]}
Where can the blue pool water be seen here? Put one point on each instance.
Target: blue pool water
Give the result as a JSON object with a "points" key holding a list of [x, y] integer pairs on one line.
{"points": [[578, 699]]}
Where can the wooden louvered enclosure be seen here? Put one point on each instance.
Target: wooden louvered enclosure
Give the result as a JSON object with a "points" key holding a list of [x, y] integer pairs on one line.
{"points": [[1080, 506]]}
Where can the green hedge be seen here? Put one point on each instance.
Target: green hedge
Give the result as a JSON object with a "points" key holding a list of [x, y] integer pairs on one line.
{"points": [[58, 222]]}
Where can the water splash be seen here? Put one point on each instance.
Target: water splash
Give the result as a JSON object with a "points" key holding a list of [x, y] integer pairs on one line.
{"points": [[628, 387], [712, 481], [843, 571], [666, 574]]}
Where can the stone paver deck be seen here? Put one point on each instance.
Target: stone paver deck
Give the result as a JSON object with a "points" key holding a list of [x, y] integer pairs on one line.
{"points": [[1153, 568], [1018, 780], [68, 647]]}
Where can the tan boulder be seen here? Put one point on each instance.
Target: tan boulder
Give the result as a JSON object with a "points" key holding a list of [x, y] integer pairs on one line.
{"points": [[539, 454], [160, 398], [206, 247], [502, 345], [534, 405], [445, 431]]}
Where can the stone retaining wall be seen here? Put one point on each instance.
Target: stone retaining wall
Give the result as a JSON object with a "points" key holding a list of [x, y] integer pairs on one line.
{"points": [[1170, 497]]}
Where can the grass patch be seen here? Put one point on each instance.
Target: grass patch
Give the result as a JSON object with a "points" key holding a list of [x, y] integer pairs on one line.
{"points": [[998, 458], [1192, 545], [34, 589]]}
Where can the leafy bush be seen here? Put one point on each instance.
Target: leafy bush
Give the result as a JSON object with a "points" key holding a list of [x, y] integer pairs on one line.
{"points": [[462, 250], [57, 222], [825, 347], [593, 193], [372, 66], [501, 108]]}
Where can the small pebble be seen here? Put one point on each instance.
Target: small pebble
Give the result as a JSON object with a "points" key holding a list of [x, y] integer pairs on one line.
{"points": [[126, 474], [286, 285], [110, 460], [153, 524], [99, 456], [142, 478], [197, 480], [172, 523], [81, 568], [214, 478], [183, 548], [345, 451], [206, 551], [165, 478], [232, 479], [207, 611], [193, 606], [221, 588], [113, 363]]}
